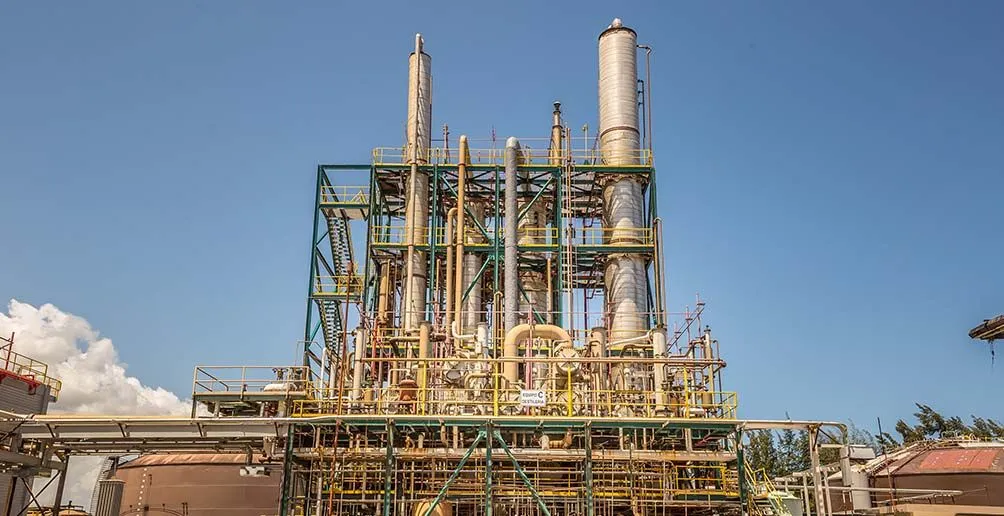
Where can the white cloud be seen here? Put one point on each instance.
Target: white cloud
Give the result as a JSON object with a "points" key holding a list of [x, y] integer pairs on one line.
{"points": [[94, 379]]}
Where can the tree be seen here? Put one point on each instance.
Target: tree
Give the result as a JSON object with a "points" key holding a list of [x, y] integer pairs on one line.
{"points": [[931, 425], [787, 451]]}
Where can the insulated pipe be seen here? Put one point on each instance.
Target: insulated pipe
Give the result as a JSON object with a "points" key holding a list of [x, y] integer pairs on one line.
{"points": [[358, 366], [550, 292], [464, 153], [419, 137], [510, 346], [471, 264], [658, 351], [660, 279], [449, 265], [511, 218], [383, 302], [424, 329]]}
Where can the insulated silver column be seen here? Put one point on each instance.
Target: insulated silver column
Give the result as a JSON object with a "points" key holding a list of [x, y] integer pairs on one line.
{"points": [[419, 139], [623, 203], [511, 216]]}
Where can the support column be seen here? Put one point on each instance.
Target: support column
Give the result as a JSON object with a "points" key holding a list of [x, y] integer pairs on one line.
{"points": [[58, 500], [741, 474], [388, 472], [588, 470], [817, 482], [488, 469]]}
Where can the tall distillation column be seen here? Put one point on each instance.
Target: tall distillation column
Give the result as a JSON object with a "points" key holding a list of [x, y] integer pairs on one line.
{"points": [[419, 140], [623, 203]]}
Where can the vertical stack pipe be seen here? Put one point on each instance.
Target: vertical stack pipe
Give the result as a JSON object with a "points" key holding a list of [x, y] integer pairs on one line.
{"points": [[511, 282], [109, 497], [419, 140], [623, 203], [473, 306]]}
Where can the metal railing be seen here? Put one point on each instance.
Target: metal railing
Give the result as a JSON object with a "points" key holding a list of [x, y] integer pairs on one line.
{"points": [[339, 286], [251, 379], [611, 237], [344, 195], [454, 386], [30, 370], [607, 238], [437, 155]]}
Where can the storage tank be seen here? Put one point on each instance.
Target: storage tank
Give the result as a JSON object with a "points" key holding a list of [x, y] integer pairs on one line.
{"points": [[209, 484]]}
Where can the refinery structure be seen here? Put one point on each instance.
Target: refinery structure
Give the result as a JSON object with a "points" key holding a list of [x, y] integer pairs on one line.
{"points": [[502, 346]]}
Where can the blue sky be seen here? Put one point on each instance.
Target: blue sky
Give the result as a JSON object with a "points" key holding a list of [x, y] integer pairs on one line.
{"points": [[830, 173]]}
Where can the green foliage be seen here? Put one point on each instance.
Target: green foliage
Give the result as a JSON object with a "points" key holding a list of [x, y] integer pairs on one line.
{"points": [[787, 451], [932, 425]]}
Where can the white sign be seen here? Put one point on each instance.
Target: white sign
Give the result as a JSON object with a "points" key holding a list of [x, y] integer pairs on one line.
{"points": [[532, 398]]}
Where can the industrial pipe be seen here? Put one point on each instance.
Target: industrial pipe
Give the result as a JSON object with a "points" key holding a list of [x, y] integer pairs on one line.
{"points": [[511, 219], [659, 349], [658, 265], [464, 153], [358, 366], [424, 348], [510, 346], [383, 303], [450, 215], [554, 155], [419, 137], [550, 291]]}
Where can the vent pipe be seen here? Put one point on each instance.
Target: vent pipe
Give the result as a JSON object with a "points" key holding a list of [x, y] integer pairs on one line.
{"points": [[419, 139]]}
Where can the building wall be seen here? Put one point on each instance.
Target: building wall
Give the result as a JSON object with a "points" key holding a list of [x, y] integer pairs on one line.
{"points": [[977, 488]]}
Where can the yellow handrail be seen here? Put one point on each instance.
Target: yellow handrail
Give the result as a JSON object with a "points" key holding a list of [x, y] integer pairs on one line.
{"points": [[530, 156], [339, 194]]}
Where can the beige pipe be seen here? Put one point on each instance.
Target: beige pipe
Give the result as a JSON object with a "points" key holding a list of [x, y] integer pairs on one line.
{"points": [[458, 285], [510, 347], [383, 304], [410, 267], [424, 352], [557, 132], [550, 293], [449, 265]]}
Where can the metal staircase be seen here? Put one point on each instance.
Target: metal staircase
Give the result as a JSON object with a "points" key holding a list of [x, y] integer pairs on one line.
{"points": [[764, 497], [342, 266]]}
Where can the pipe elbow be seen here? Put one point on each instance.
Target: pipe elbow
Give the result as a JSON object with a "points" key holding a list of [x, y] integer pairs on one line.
{"points": [[457, 335]]}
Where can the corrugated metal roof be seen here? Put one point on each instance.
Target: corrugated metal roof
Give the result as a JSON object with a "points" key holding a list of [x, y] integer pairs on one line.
{"points": [[973, 460], [988, 459]]}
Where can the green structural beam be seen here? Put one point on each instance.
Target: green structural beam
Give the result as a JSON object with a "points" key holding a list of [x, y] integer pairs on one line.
{"points": [[454, 475], [522, 475]]}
